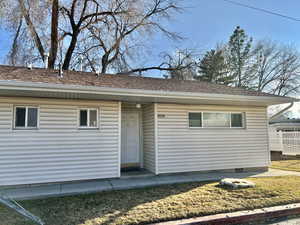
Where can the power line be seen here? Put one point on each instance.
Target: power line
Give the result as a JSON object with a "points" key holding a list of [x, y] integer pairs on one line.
{"points": [[262, 10]]}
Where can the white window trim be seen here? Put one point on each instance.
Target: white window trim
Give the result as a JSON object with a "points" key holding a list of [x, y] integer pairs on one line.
{"points": [[230, 112], [88, 127], [26, 117]]}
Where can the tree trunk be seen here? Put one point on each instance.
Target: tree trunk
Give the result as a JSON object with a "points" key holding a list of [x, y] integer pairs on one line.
{"points": [[104, 63], [70, 50], [54, 34], [32, 29], [14, 49]]}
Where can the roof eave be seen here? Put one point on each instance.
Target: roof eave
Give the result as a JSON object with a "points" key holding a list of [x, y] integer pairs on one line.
{"points": [[66, 88]]}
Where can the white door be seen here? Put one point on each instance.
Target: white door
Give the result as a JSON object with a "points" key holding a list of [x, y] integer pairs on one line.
{"points": [[130, 151]]}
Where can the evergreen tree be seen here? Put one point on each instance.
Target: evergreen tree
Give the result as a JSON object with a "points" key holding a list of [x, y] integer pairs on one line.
{"points": [[239, 48], [213, 68]]}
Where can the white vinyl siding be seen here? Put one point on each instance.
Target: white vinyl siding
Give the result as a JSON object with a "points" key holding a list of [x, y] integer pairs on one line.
{"points": [[58, 151], [149, 137], [185, 149]]}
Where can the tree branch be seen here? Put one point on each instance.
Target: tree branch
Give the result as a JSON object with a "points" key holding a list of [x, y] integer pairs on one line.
{"points": [[32, 29]]}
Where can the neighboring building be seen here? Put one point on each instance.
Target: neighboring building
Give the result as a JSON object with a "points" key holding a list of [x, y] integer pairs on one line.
{"points": [[81, 126], [285, 124]]}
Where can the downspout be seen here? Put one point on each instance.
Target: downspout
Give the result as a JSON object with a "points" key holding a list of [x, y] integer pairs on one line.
{"points": [[282, 111]]}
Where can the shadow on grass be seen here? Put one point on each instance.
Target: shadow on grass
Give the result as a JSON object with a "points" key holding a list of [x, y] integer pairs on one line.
{"points": [[102, 208]]}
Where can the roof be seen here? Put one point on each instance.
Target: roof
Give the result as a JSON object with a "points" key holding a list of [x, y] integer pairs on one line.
{"points": [[124, 81], [287, 120]]}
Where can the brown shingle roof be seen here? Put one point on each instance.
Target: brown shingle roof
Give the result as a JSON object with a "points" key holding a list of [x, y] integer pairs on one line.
{"points": [[118, 81]]}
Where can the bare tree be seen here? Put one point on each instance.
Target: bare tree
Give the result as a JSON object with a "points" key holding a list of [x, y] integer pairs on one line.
{"points": [[21, 51], [110, 43], [82, 15], [101, 31], [31, 32], [288, 81], [31, 28], [275, 68], [180, 65]]}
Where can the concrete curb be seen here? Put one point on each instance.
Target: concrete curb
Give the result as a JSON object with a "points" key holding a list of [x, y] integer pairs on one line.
{"points": [[241, 216]]}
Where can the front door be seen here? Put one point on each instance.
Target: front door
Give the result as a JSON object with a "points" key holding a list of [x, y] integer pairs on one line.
{"points": [[130, 151]]}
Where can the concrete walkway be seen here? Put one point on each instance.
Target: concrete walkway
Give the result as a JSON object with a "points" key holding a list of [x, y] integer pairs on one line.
{"points": [[72, 188]]}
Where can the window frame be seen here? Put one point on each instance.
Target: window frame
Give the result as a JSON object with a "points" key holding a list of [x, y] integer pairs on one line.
{"points": [[26, 127], [230, 113], [88, 127]]}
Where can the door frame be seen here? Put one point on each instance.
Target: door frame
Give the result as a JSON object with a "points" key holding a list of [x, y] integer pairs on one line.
{"points": [[141, 144], [141, 138]]}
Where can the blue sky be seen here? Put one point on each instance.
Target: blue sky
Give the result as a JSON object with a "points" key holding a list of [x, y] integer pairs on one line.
{"points": [[207, 22]]}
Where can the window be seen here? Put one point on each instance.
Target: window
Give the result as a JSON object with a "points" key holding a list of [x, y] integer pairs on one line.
{"points": [[237, 120], [216, 119], [26, 117], [88, 118], [195, 119]]}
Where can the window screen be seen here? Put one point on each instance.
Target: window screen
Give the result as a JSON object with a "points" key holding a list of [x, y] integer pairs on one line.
{"points": [[93, 118], [32, 117]]}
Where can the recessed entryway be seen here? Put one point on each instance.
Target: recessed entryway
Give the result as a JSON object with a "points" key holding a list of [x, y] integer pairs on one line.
{"points": [[131, 150], [137, 138]]}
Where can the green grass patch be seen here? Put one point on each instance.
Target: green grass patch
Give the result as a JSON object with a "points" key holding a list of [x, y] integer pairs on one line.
{"points": [[290, 165], [168, 202]]}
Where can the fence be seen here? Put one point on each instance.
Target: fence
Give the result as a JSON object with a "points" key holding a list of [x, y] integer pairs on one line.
{"points": [[285, 141]]}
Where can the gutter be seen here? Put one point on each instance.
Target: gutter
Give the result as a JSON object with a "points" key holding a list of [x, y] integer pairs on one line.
{"points": [[282, 111]]}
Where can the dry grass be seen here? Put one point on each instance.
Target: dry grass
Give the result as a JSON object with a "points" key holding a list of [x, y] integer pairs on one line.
{"points": [[291, 165], [155, 204]]}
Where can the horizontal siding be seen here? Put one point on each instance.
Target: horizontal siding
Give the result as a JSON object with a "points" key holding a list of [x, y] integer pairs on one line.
{"points": [[275, 139], [58, 150], [184, 149], [148, 137]]}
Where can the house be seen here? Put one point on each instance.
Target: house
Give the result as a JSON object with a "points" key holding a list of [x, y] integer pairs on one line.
{"points": [[285, 124], [58, 127], [284, 137]]}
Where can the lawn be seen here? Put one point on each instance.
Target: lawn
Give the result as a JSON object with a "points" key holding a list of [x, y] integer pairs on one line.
{"points": [[155, 204], [291, 165]]}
